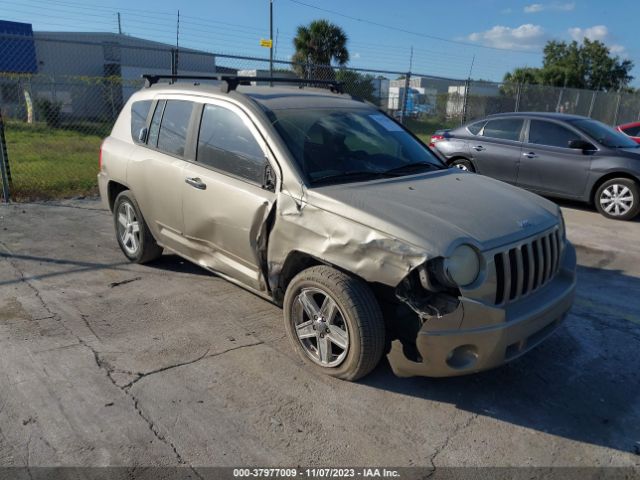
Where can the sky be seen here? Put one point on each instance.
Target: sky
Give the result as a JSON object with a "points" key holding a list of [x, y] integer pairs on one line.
{"points": [[446, 37]]}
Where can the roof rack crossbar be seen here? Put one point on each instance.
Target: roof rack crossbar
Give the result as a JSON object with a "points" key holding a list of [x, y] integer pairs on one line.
{"points": [[231, 82]]}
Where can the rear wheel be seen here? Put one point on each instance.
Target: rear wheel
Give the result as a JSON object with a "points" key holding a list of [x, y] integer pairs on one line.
{"points": [[334, 322], [618, 198], [134, 237], [462, 164]]}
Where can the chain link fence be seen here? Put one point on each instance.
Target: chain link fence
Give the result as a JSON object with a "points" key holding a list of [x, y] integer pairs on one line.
{"points": [[60, 94]]}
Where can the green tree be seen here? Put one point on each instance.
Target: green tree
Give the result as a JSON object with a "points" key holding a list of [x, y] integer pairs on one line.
{"points": [[357, 84], [317, 46], [589, 65]]}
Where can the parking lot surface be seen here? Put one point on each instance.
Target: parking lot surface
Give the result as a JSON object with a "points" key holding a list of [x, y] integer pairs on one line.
{"points": [[107, 363]]}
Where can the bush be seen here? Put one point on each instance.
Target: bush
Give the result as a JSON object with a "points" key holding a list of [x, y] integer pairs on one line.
{"points": [[49, 110]]}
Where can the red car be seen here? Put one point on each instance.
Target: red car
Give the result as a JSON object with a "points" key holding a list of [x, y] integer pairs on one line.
{"points": [[631, 129]]}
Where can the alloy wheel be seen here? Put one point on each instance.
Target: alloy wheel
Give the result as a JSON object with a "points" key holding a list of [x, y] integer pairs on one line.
{"points": [[128, 228], [616, 200], [320, 327]]}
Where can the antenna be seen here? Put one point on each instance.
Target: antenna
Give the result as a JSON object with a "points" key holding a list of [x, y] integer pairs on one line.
{"points": [[119, 24]]}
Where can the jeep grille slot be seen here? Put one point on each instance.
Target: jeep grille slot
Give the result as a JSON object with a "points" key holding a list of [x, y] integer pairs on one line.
{"points": [[526, 267]]}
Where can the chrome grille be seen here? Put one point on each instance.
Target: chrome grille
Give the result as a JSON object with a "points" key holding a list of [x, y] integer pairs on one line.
{"points": [[526, 267]]}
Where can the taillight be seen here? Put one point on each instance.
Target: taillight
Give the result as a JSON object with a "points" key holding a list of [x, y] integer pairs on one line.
{"points": [[100, 156], [435, 139]]}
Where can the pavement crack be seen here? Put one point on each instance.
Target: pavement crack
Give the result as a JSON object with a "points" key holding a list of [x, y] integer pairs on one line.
{"points": [[86, 322], [459, 428], [102, 365], [141, 375]]}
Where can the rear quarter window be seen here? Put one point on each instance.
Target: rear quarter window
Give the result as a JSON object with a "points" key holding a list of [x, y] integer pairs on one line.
{"points": [[139, 113], [475, 128]]}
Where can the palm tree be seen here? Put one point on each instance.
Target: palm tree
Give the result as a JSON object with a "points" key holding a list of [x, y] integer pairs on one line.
{"points": [[318, 45]]}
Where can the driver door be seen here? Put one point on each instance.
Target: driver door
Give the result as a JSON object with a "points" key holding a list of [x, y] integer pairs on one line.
{"points": [[225, 201]]}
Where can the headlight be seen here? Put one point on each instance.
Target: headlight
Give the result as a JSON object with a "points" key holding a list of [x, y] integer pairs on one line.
{"points": [[563, 230], [463, 266]]}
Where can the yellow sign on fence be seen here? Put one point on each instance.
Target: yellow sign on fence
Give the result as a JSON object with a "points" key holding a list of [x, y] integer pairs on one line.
{"points": [[266, 43]]}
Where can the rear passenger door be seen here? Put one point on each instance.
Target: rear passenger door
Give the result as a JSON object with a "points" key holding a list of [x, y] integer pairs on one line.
{"points": [[496, 150], [155, 170], [225, 199], [548, 165]]}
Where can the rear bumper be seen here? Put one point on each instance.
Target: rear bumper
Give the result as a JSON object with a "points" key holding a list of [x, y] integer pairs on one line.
{"points": [[510, 331], [102, 187]]}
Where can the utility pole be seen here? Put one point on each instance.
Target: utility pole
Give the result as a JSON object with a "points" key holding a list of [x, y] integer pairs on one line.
{"points": [[467, 86], [271, 39], [407, 83], [119, 25]]}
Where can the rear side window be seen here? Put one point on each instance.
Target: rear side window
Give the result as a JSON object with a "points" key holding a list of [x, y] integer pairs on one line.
{"points": [[226, 144], [139, 113], [551, 134], [505, 129], [632, 131], [173, 129], [475, 128]]}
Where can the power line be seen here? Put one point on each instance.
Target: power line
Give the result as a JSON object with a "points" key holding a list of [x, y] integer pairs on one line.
{"points": [[411, 32]]}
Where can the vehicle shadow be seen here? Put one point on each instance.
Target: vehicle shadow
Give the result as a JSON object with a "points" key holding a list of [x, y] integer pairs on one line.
{"points": [[580, 384], [174, 263]]}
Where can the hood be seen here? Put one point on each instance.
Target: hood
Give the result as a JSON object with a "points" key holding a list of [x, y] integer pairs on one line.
{"points": [[435, 209]]}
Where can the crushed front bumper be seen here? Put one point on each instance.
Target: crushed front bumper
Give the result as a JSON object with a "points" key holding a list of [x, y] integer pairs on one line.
{"points": [[506, 333]]}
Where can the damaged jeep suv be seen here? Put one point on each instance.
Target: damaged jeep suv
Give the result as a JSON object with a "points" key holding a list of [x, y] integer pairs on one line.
{"points": [[326, 206]]}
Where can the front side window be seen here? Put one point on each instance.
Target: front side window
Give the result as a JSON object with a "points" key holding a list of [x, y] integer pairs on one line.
{"points": [[348, 144], [139, 113], [550, 134], [173, 129], [603, 134], [505, 129], [226, 144]]}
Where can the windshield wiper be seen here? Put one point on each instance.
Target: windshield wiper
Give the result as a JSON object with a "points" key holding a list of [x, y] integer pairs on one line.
{"points": [[410, 167], [346, 175]]}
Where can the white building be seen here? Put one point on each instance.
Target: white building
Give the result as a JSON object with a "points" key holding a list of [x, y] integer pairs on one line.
{"points": [[456, 96]]}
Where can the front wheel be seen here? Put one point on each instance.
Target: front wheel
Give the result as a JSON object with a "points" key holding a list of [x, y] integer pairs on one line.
{"points": [[334, 322], [618, 198], [463, 164]]}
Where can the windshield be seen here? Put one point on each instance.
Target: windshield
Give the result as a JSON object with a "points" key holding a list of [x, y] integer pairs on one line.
{"points": [[604, 134], [340, 145]]}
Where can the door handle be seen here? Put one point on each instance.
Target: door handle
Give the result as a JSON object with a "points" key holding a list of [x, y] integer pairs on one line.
{"points": [[529, 155], [195, 182], [479, 148]]}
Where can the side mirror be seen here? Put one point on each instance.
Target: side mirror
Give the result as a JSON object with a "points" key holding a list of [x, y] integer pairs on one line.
{"points": [[142, 135], [581, 145], [269, 181]]}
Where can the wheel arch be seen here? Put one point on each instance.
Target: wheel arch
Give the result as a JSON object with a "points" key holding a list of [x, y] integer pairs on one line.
{"points": [[462, 157], [113, 190], [610, 176], [297, 261]]}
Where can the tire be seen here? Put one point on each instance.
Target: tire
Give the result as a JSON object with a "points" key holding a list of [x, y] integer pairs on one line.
{"points": [[134, 237], [463, 164], [355, 312], [618, 198]]}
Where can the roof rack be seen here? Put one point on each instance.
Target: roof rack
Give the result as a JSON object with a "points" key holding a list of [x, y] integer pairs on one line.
{"points": [[231, 82]]}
